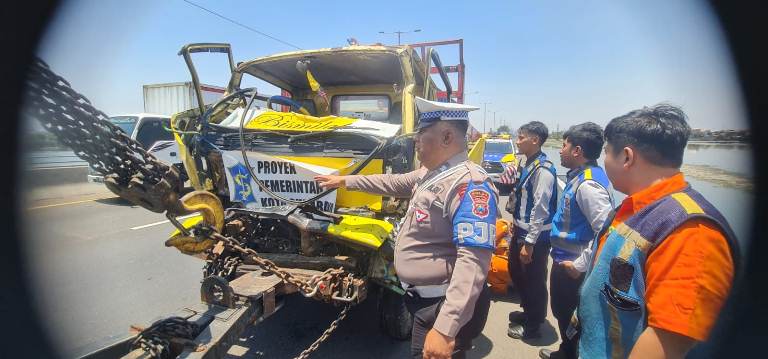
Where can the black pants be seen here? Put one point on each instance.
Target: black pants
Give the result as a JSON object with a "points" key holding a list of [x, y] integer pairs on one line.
{"points": [[425, 311], [531, 279], [565, 299]]}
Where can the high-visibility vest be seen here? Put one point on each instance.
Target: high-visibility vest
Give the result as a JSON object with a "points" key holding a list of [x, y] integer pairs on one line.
{"points": [[612, 309], [571, 231]]}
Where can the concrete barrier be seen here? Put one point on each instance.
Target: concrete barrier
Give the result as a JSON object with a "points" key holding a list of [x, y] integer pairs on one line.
{"points": [[52, 176]]}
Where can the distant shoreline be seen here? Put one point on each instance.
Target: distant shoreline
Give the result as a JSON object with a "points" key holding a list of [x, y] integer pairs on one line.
{"points": [[707, 173], [558, 143], [714, 142]]}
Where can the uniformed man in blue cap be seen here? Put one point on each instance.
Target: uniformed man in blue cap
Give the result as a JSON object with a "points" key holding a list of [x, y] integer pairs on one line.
{"points": [[447, 236]]}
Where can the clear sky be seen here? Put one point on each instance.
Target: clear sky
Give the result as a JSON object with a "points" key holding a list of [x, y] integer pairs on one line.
{"points": [[559, 62]]}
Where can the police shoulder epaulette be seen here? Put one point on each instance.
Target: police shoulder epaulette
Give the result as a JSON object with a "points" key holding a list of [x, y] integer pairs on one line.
{"points": [[476, 173]]}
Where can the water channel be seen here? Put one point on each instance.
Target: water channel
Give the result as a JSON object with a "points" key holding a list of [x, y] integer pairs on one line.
{"points": [[721, 172]]}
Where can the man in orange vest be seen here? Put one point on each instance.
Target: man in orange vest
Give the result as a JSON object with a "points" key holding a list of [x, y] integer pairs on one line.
{"points": [[663, 266]]}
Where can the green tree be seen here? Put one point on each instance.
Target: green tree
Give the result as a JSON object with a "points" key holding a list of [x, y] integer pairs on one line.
{"points": [[503, 129]]}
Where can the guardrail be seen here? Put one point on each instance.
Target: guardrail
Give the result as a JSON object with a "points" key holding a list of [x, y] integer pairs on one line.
{"points": [[52, 176]]}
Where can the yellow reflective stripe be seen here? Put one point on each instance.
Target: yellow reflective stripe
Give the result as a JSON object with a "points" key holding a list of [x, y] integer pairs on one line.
{"points": [[690, 206], [614, 334], [632, 241], [588, 174]]}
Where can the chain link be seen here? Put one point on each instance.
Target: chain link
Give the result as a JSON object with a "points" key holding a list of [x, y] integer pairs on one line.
{"points": [[308, 288], [86, 130], [326, 334], [136, 175], [128, 169], [222, 266], [156, 340]]}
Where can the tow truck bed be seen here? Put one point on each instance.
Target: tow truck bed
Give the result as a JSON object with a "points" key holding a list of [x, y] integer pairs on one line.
{"points": [[255, 294]]}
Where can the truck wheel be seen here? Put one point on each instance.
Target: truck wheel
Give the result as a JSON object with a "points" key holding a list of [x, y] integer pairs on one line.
{"points": [[394, 318]]}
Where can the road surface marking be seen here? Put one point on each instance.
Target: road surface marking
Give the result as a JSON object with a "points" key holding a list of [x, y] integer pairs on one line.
{"points": [[161, 222], [68, 203]]}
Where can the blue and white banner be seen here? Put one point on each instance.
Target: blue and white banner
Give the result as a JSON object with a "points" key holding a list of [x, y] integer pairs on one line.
{"points": [[289, 179]]}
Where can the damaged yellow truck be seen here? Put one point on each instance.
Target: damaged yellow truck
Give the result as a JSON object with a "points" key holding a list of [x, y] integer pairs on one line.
{"points": [[254, 213], [341, 110], [263, 225]]}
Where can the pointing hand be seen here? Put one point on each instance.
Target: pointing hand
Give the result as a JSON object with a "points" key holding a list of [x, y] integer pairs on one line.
{"points": [[331, 181]]}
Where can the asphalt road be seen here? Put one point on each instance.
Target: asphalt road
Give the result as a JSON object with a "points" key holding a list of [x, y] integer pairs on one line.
{"points": [[99, 265]]}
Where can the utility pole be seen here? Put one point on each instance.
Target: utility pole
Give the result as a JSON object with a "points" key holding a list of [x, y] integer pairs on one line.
{"points": [[399, 33], [494, 119], [485, 112]]}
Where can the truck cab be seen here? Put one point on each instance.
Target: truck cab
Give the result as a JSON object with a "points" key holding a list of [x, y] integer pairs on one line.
{"points": [[375, 83], [347, 110]]}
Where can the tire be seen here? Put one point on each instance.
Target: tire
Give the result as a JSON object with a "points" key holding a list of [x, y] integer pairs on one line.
{"points": [[394, 318]]}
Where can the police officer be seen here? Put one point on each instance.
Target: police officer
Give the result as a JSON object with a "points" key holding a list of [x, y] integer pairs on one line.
{"points": [[583, 208], [532, 203], [446, 240]]}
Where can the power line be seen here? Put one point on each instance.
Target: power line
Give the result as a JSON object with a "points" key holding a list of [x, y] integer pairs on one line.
{"points": [[242, 25]]}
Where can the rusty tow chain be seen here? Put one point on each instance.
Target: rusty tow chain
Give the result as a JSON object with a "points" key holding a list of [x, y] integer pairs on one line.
{"points": [[136, 175]]}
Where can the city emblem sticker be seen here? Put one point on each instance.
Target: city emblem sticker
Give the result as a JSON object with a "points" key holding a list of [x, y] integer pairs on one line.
{"points": [[480, 200]]}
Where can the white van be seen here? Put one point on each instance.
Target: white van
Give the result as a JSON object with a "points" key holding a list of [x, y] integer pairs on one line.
{"points": [[150, 130]]}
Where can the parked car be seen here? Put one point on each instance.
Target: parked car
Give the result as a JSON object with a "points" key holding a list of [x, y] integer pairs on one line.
{"points": [[151, 131], [498, 154]]}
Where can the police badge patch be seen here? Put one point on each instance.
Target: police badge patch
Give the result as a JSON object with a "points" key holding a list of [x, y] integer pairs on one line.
{"points": [[421, 216], [480, 200]]}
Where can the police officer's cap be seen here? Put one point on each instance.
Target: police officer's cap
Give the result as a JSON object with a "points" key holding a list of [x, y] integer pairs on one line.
{"points": [[432, 111]]}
